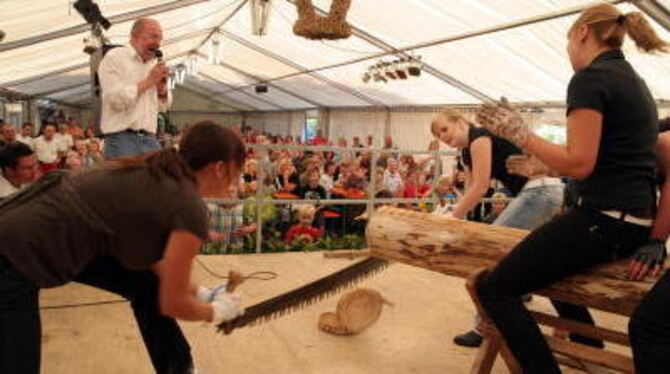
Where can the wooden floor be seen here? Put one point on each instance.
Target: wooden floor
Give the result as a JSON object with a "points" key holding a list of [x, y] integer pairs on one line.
{"points": [[413, 337]]}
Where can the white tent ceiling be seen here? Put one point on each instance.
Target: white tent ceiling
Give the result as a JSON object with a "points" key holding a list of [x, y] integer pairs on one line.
{"points": [[472, 50]]}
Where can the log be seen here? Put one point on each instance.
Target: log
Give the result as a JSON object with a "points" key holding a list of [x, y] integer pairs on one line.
{"points": [[458, 248]]}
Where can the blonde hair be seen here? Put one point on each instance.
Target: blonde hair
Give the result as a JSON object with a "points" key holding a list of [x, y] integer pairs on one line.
{"points": [[610, 26], [449, 116], [305, 209]]}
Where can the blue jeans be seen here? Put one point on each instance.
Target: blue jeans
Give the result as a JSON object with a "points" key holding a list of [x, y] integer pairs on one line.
{"points": [[532, 208], [128, 143]]}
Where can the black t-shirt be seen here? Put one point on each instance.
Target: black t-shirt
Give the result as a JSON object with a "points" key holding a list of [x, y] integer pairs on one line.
{"points": [[623, 176], [248, 178], [501, 149], [310, 193], [294, 179], [126, 214]]}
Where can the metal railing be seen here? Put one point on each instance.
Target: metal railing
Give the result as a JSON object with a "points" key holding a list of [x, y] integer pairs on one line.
{"points": [[370, 200]]}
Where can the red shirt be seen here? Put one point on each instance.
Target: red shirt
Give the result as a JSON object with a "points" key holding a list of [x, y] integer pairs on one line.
{"points": [[298, 230], [319, 141], [412, 190]]}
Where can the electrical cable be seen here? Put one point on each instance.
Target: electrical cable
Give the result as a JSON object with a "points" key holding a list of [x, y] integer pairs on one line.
{"points": [[257, 275]]}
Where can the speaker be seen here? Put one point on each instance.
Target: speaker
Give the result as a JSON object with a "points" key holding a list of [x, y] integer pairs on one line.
{"points": [[261, 88]]}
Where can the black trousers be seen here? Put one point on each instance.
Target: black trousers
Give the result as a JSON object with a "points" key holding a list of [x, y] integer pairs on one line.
{"points": [[20, 328], [649, 330], [567, 245]]}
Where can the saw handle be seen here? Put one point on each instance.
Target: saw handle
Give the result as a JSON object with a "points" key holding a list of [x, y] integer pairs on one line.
{"points": [[234, 280]]}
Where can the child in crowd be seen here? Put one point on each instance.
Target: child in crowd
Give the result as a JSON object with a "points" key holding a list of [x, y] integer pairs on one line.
{"points": [[392, 179], [446, 194], [312, 189], [304, 230]]}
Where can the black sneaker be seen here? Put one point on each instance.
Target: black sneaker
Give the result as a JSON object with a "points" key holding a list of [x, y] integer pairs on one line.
{"points": [[470, 339]]}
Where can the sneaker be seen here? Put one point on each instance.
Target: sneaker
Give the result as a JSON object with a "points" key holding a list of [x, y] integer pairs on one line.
{"points": [[470, 339]]}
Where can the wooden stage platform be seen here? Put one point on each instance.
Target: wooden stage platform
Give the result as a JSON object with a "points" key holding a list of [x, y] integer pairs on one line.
{"points": [[413, 337]]}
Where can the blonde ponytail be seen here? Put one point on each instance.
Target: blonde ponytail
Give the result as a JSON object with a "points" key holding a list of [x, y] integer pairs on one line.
{"points": [[610, 27], [644, 36]]}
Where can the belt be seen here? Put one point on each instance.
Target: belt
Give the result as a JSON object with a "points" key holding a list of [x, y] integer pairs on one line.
{"points": [[138, 132], [545, 181], [619, 215], [623, 216]]}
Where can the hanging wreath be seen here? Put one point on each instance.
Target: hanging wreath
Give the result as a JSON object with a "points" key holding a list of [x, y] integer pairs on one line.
{"points": [[312, 26]]}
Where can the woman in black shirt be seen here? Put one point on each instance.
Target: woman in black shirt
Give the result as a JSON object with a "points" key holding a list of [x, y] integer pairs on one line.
{"points": [[131, 227], [612, 131]]}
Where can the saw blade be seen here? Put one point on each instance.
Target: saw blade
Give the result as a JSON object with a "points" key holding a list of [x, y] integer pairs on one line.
{"points": [[306, 295]]}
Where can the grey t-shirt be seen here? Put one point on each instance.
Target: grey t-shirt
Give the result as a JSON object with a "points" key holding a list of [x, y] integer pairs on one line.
{"points": [[125, 214]]}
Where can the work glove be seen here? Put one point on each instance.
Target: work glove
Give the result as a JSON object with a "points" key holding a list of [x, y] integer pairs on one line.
{"points": [[504, 121], [648, 257], [226, 306], [207, 295]]}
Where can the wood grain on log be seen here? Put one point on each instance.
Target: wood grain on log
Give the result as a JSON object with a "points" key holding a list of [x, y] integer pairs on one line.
{"points": [[458, 248]]}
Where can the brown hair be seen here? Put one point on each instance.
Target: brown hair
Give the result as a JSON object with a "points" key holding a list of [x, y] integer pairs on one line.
{"points": [[203, 143], [609, 26]]}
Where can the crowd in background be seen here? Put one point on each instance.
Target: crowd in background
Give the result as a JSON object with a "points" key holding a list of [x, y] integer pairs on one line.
{"points": [[288, 173]]}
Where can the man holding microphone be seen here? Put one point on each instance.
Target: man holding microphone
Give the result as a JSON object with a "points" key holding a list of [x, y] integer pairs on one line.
{"points": [[133, 84]]}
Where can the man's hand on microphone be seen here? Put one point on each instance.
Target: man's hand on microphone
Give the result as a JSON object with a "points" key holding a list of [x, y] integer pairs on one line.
{"points": [[155, 78], [158, 73]]}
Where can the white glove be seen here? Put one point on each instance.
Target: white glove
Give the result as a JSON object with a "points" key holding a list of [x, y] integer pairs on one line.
{"points": [[226, 306], [207, 295]]}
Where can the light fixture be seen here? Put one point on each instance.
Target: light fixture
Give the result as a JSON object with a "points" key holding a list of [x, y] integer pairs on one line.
{"points": [[192, 64], [181, 73], [260, 15], [402, 69], [415, 66], [214, 49]]}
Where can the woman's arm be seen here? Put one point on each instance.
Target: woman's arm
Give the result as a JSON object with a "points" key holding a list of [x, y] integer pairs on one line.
{"points": [[176, 293], [661, 228], [481, 153], [578, 158]]}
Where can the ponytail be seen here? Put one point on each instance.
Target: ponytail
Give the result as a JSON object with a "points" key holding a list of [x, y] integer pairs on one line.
{"points": [[166, 163], [610, 27], [204, 143], [644, 36]]}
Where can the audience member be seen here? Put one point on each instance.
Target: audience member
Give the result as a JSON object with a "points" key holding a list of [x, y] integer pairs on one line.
{"points": [[19, 168]]}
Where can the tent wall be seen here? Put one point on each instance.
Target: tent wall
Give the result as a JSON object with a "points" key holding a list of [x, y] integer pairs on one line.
{"points": [[182, 118]]}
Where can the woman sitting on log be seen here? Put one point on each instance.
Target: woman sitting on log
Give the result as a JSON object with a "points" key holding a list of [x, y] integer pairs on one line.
{"points": [[612, 127]]}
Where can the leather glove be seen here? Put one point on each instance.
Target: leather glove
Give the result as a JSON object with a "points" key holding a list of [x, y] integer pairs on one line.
{"points": [[207, 295], [226, 306], [504, 121], [648, 257], [525, 165]]}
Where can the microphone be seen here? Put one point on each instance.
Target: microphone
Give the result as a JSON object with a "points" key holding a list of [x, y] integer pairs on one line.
{"points": [[159, 56]]}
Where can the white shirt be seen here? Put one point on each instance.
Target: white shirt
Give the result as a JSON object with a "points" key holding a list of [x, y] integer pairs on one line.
{"points": [[65, 140], [122, 108], [327, 182], [6, 188], [47, 151], [30, 142], [391, 181]]}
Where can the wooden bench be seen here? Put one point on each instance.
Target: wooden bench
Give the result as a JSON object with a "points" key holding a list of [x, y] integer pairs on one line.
{"points": [[466, 249]]}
